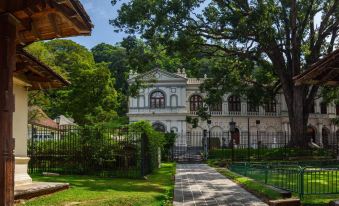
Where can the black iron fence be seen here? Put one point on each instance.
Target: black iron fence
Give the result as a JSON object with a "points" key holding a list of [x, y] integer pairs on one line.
{"points": [[245, 146], [304, 178], [266, 146], [189, 147], [89, 150]]}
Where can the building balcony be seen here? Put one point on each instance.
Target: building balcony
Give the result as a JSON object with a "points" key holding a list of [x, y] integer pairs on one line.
{"points": [[239, 113], [157, 110], [195, 81], [253, 113], [216, 113], [323, 116]]}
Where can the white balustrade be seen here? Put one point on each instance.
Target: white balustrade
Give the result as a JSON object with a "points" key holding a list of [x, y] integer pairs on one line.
{"points": [[253, 113], [271, 114], [193, 112], [195, 81], [157, 110], [234, 113], [216, 113]]}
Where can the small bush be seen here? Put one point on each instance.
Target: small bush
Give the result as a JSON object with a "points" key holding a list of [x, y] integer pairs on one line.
{"points": [[155, 141]]}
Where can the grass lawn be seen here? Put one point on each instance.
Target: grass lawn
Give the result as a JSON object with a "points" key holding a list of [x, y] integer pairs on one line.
{"points": [[258, 188], [88, 190], [313, 183], [261, 190]]}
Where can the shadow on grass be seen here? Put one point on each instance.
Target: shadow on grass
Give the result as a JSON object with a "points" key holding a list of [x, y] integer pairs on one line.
{"points": [[156, 182]]}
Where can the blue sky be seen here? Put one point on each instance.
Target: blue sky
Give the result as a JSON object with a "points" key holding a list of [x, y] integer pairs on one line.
{"points": [[101, 11]]}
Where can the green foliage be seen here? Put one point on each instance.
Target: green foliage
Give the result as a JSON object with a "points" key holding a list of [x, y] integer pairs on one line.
{"points": [[91, 98], [169, 142], [95, 150], [115, 123], [254, 48], [192, 120], [144, 127], [154, 143], [271, 154], [116, 58]]}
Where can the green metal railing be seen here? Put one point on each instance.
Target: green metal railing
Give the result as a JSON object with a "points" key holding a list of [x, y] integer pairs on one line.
{"points": [[303, 180]]}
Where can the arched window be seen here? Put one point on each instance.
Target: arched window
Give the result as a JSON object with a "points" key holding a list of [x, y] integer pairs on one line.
{"points": [[311, 134], [195, 102], [157, 100], [326, 137], [252, 107], [234, 104], [216, 106], [174, 129], [271, 106], [159, 127], [323, 108]]}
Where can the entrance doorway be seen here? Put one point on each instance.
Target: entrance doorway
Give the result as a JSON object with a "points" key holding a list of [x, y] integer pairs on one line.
{"points": [[311, 134], [326, 136]]}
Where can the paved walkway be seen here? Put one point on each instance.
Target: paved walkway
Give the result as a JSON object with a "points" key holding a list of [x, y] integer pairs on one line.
{"points": [[199, 184]]}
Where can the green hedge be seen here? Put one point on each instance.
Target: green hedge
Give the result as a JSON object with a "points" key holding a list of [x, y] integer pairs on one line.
{"points": [[154, 143], [269, 154]]}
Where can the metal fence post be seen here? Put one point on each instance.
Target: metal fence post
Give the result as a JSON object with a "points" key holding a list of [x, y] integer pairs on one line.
{"points": [[143, 154], [248, 140], [301, 182], [266, 173], [285, 147], [205, 143], [232, 148]]}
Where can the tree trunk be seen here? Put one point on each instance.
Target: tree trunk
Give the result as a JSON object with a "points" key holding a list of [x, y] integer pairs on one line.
{"points": [[298, 117]]}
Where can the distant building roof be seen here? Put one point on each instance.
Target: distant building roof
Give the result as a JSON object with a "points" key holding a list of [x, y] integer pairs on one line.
{"points": [[39, 117], [63, 120], [323, 72]]}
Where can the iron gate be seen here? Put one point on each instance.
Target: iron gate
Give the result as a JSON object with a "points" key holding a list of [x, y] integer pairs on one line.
{"points": [[190, 147]]}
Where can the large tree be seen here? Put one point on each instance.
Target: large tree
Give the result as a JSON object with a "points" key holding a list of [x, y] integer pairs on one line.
{"points": [[284, 36], [91, 98]]}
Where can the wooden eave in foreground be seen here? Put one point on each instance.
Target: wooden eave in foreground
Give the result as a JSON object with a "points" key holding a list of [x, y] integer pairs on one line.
{"points": [[323, 72], [36, 73], [47, 19]]}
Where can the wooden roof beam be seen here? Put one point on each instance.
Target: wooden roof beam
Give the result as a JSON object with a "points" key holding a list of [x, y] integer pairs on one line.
{"points": [[53, 20], [34, 30], [70, 16], [61, 1], [19, 5], [69, 12], [327, 76]]}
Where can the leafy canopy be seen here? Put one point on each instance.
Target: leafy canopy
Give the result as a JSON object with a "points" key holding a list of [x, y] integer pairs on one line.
{"points": [[91, 98]]}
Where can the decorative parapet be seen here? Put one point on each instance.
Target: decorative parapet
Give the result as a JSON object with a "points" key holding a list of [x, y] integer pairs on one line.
{"points": [[195, 81], [174, 110]]}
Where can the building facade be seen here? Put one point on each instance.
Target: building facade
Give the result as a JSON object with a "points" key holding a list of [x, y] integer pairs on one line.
{"points": [[170, 98]]}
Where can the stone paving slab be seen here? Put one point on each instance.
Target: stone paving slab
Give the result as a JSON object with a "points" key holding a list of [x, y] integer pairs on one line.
{"points": [[201, 185], [36, 189]]}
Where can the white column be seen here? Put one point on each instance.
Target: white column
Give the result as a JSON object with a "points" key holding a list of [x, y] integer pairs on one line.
{"points": [[319, 138], [20, 134], [261, 110], [332, 134], [243, 108], [226, 108]]}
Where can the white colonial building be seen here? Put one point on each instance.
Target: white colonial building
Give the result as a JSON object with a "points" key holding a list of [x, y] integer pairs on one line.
{"points": [[170, 98]]}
